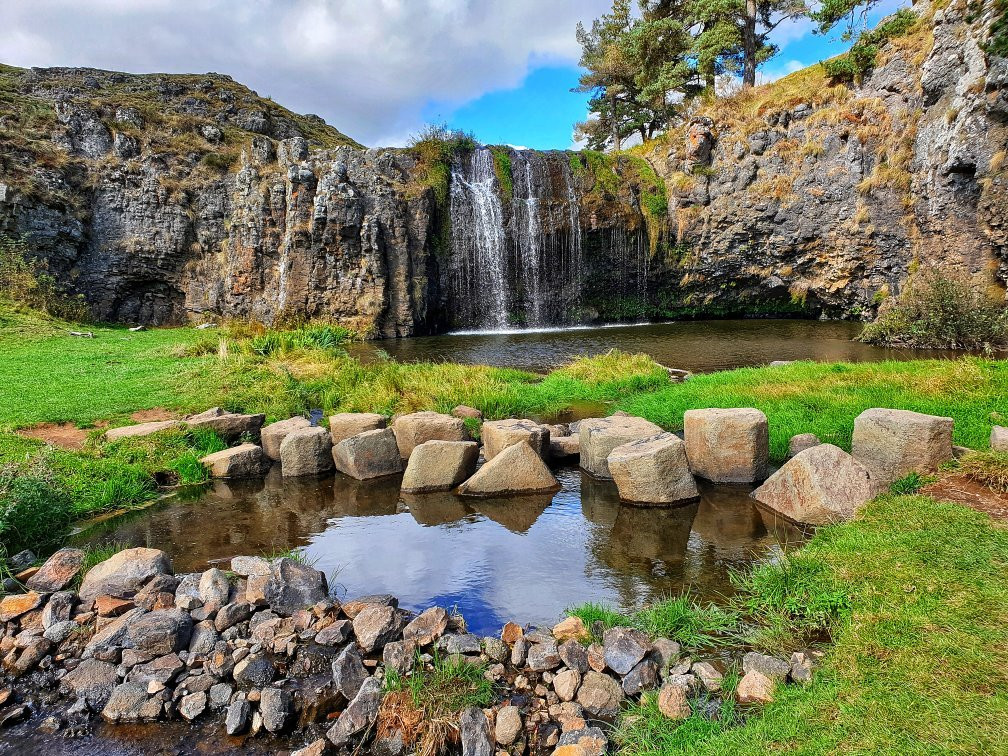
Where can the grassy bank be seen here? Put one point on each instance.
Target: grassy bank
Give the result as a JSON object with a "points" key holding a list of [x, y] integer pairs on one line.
{"points": [[919, 659]]}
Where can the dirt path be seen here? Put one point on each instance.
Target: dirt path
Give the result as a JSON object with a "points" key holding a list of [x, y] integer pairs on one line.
{"points": [[69, 436], [961, 490]]}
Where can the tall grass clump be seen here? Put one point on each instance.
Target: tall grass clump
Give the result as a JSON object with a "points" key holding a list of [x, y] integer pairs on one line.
{"points": [[434, 148], [939, 310]]}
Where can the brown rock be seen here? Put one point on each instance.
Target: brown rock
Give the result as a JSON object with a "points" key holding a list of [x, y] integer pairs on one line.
{"points": [[571, 628], [420, 427], [440, 466], [245, 461], [673, 702], [122, 573], [599, 436], [111, 606], [348, 424], [467, 412], [58, 572], [140, 430], [306, 451], [14, 605], [497, 435], [511, 632], [653, 471], [372, 454], [230, 426], [427, 627], [755, 687], [894, 443], [273, 435], [516, 470], [727, 445]]}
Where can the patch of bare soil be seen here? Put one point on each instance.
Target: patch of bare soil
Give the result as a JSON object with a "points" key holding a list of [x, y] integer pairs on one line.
{"points": [[157, 414], [63, 435], [961, 490]]}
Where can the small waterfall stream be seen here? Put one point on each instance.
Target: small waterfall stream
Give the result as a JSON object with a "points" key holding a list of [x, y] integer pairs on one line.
{"points": [[518, 261]]}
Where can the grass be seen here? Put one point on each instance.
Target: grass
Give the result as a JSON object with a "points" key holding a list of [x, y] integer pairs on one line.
{"points": [[643, 729], [295, 554], [425, 703], [824, 399], [988, 468], [919, 665]]}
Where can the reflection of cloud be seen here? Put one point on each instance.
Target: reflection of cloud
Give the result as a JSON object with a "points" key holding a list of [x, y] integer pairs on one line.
{"points": [[367, 67]]}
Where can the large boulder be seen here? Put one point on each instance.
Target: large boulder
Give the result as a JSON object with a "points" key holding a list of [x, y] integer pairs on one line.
{"points": [[140, 430], [347, 424], [372, 454], [497, 435], [894, 443], [440, 466], [420, 427], [599, 436], [58, 572], [653, 471], [124, 572], [307, 451], [727, 445], [819, 485], [245, 461], [273, 435], [230, 426], [516, 470]]}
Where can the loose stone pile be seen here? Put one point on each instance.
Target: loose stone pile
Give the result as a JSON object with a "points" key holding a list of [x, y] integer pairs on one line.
{"points": [[264, 648]]}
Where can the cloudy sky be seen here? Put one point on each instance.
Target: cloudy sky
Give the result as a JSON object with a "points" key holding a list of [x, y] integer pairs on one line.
{"points": [[376, 69]]}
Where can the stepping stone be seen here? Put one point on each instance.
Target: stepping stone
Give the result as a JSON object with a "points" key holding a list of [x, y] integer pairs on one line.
{"points": [[230, 426], [307, 451], [653, 471], [440, 466], [372, 454], [599, 436], [140, 430], [245, 461], [420, 427], [727, 445], [516, 470], [497, 435], [347, 424], [894, 443], [273, 435]]}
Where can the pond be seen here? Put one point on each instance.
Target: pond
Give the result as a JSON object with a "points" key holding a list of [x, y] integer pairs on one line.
{"points": [[524, 558], [698, 346]]}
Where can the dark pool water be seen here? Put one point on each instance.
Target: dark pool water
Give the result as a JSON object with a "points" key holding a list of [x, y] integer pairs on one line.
{"points": [[523, 558], [697, 346]]}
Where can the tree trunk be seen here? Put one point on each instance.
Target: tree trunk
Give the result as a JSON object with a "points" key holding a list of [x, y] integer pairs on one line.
{"points": [[749, 45]]}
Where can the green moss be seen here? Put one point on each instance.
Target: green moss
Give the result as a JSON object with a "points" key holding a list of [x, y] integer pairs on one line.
{"points": [[600, 166], [502, 167], [577, 165]]}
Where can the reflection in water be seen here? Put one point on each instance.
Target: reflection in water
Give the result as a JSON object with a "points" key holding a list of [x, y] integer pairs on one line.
{"points": [[698, 346], [525, 558]]}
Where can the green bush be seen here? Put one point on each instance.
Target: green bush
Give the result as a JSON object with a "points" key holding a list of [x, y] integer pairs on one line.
{"points": [[434, 148], [998, 43], [23, 282], [860, 59], [938, 310], [502, 167]]}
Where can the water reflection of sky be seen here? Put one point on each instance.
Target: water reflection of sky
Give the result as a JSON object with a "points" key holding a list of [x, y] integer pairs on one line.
{"points": [[522, 558]]}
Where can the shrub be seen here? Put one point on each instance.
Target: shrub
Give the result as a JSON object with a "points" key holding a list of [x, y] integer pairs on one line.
{"points": [[937, 310], [434, 148], [502, 167], [22, 281], [860, 59]]}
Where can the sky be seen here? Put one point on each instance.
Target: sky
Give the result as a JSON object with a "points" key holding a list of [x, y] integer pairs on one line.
{"points": [[378, 70]]}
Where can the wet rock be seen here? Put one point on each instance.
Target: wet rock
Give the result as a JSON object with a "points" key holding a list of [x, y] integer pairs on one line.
{"points": [[50, 725], [238, 718], [566, 684], [230, 615], [801, 442], [125, 703], [427, 627], [160, 632], [13, 606], [894, 443], [624, 648], [474, 730], [497, 435], [359, 714], [348, 424], [335, 634], [14, 715], [600, 695], [673, 702], [755, 687], [348, 672], [307, 451], [375, 626], [162, 670], [123, 573], [419, 427], [275, 707], [274, 434], [373, 454], [293, 585], [599, 436], [245, 461], [140, 430], [727, 445], [772, 667], [58, 571], [440, 466], [254, 671], [653, 471], [229, 426], [508, 725], [820, 485], [515, 470], [543, 656], [318, 747], [192, 705], [642, 677], [571, 628]]}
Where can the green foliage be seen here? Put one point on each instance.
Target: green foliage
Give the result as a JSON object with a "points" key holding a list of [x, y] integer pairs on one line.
{"points": [[939, 310], [654, 201], [855, 63], [220, 161], [502, 167], [326, 337], [644, 731], [998, 43], [989, 468], [24, 282], [909, 484], [176, 452], [434, 149], [600, 166]]}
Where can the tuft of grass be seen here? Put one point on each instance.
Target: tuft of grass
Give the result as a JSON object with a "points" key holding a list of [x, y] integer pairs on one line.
{"points": [[988, 468], [591, 613], [502, 167], [431, 698], [174, 451], [434, 149], [295, 554], [910, 484]]}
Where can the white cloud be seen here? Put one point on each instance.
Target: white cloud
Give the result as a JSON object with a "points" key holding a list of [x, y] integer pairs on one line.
{"points": [[367, 67]]}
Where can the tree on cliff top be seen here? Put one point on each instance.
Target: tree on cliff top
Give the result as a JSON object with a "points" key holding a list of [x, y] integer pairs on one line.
{"points": [[638, 69]]}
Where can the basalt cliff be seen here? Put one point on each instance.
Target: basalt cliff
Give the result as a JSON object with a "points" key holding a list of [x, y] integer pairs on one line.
{"points": [[167, 199]]}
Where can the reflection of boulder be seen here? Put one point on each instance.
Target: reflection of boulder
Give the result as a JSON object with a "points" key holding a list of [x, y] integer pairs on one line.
{"points": [[783, 530], [649, 534], [728, 518], [232, 490], [362, 498], [600, 502], [516, 513], [433, 509]]}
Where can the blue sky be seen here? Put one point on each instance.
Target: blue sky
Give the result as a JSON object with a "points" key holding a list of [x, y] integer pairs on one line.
{"points": [[540, 113]]}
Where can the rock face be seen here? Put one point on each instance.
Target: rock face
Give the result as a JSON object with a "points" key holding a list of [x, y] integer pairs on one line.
{"points": [[599, 436], [497, 435], [820, 485], [727, 445], [372, 454], [894, 443], [653, 471], [518, 469], [440, 466]]}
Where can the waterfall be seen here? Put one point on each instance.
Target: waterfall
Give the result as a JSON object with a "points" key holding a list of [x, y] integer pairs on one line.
{"points": [[529, 177]]}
